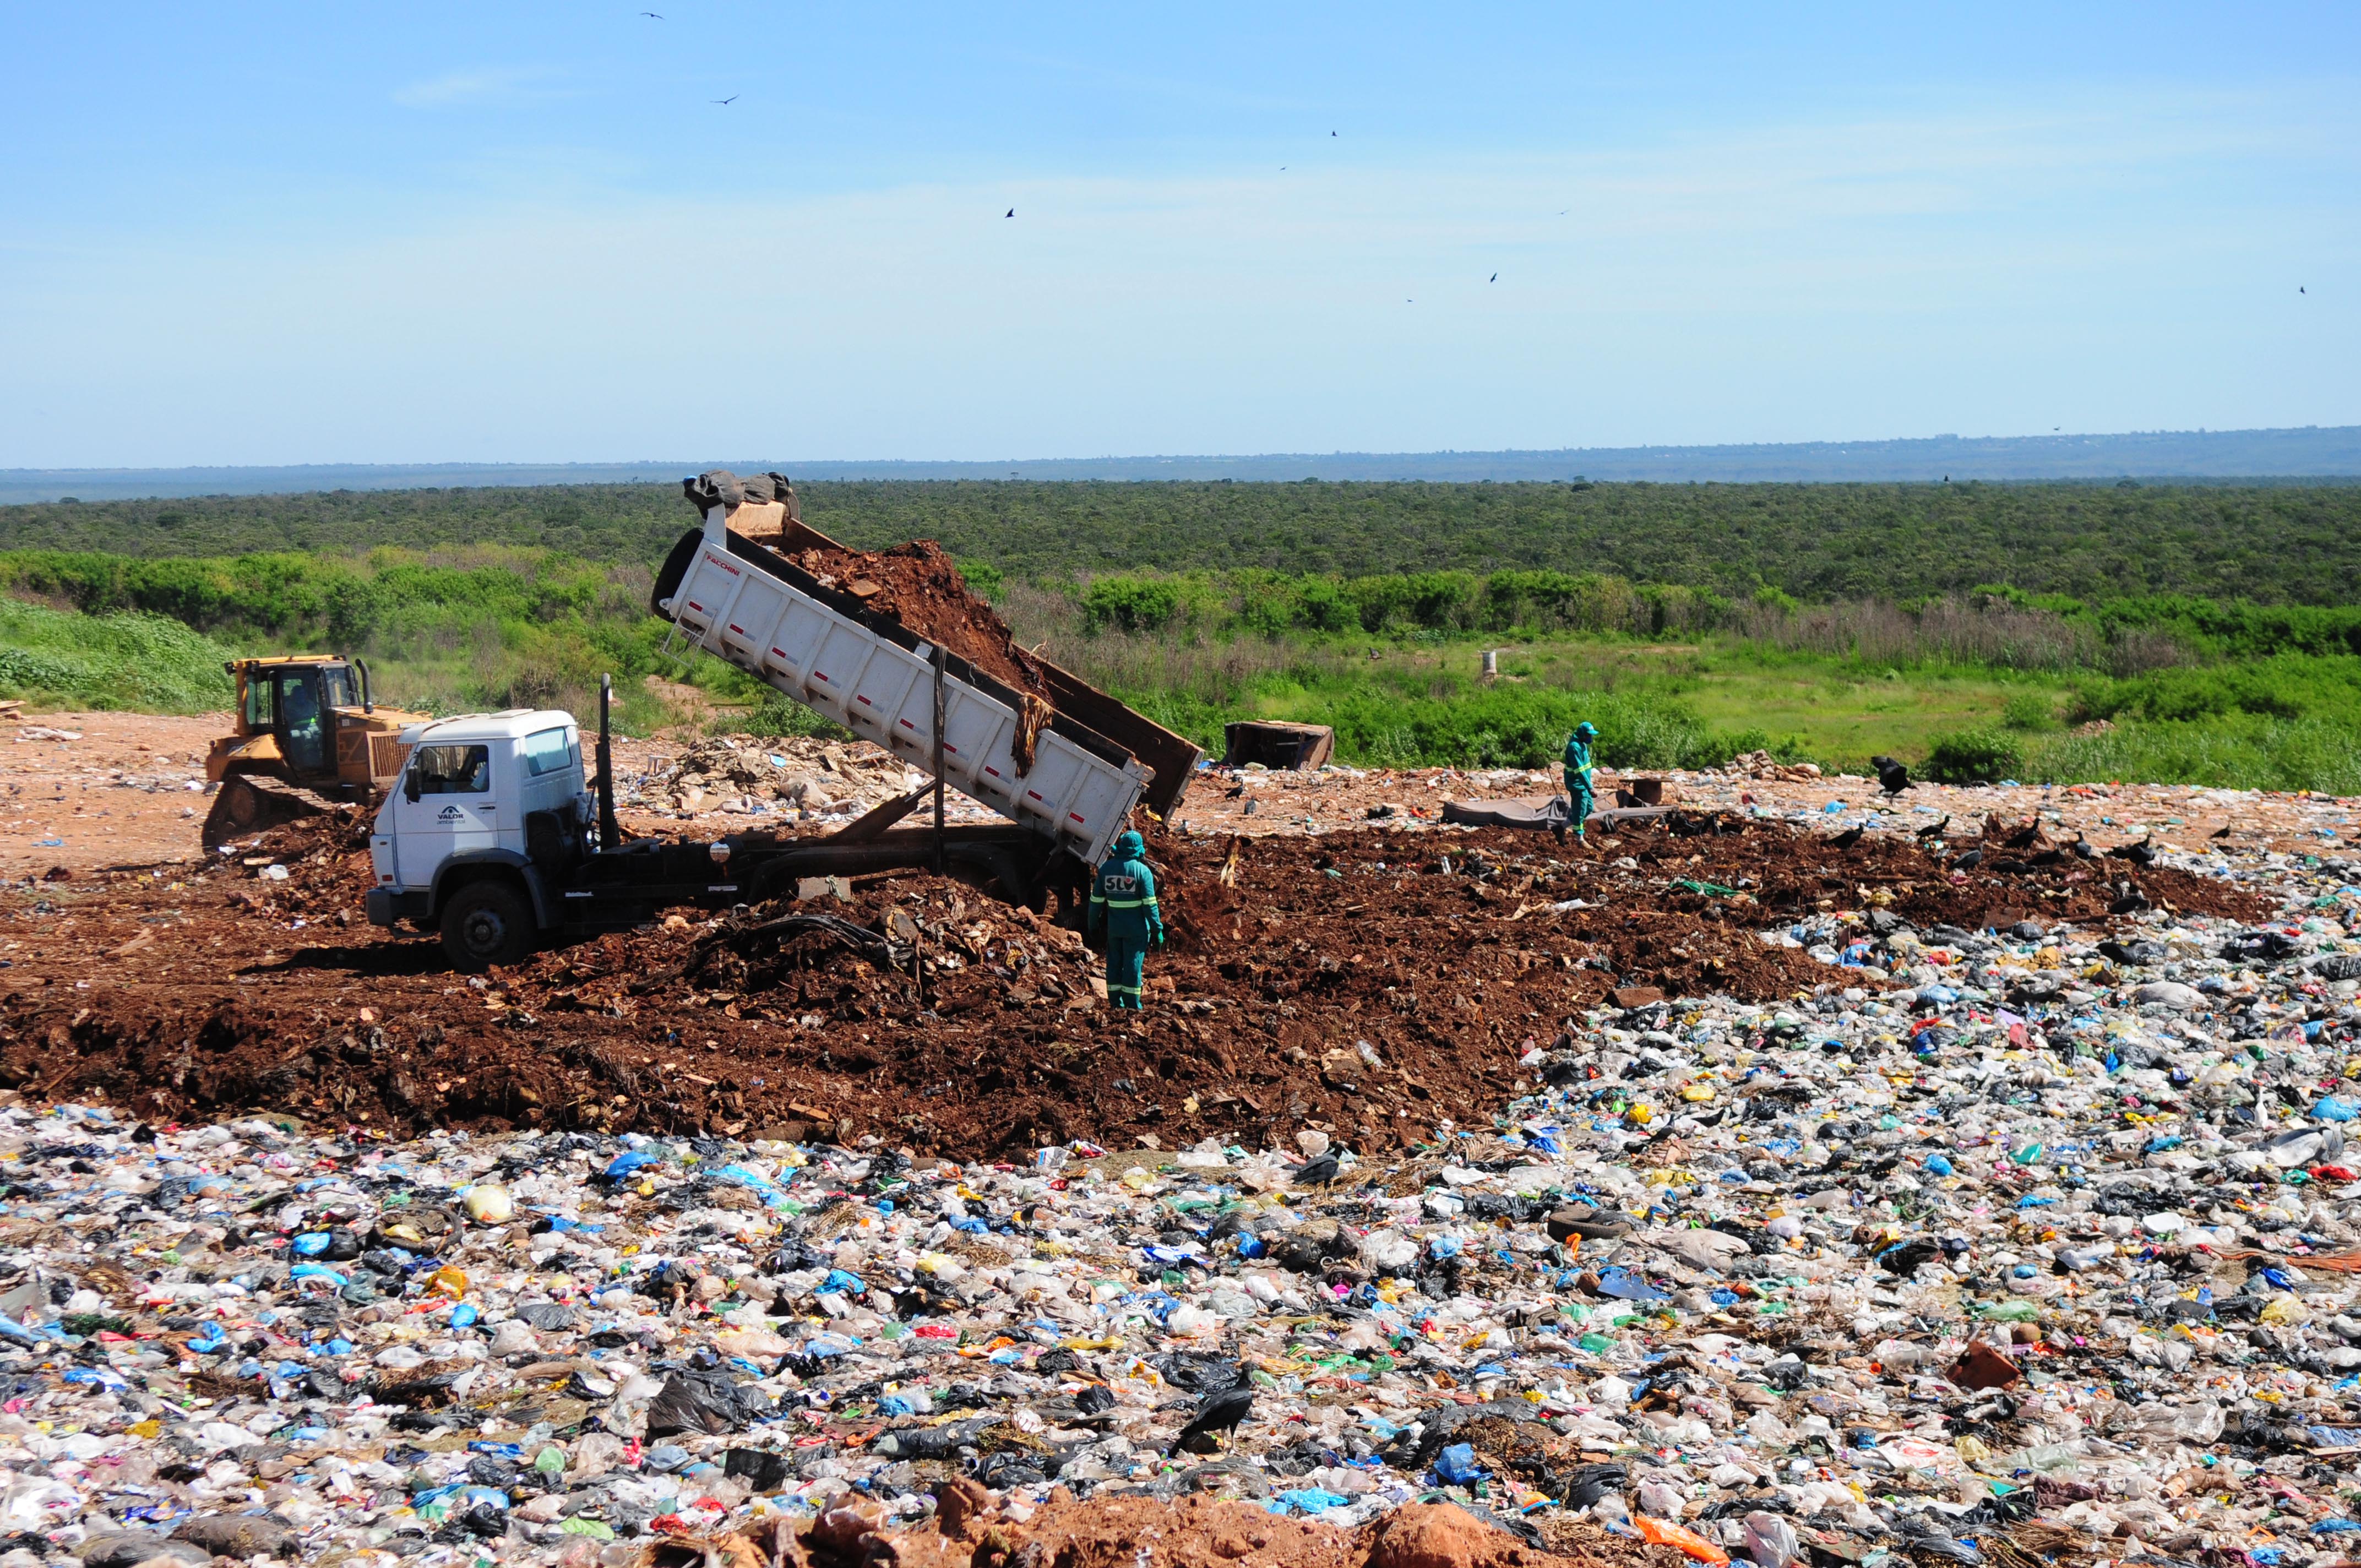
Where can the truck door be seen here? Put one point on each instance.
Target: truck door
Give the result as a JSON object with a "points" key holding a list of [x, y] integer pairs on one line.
{"points": [[301, 724], [445, 806]]}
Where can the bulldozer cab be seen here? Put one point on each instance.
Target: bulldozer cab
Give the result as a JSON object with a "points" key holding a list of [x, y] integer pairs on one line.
{"points": [[294, 702], [308, 737]]}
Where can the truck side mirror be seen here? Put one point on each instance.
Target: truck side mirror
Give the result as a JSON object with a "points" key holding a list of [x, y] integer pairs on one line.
{"points": [[409, 785]]}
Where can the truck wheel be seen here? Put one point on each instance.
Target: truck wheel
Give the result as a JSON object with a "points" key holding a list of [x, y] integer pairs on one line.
{"points": [[487, 923]]}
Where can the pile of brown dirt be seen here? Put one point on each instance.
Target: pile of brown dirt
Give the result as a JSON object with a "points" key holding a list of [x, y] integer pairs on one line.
{"points": [[1369, 983], [917, 584], [1194, 1531]]}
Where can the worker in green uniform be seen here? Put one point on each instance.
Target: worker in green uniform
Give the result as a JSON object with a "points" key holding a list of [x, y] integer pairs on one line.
{"points": [[1578, 767], [1123, 896]]}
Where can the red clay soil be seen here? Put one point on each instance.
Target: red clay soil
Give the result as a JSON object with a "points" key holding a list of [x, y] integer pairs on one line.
{"points": [[917, 585], [1442, 953], [1194, 1531]]}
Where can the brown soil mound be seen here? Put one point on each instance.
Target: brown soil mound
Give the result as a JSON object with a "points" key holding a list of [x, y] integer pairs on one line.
{"points": [[917, 584], [946, 1021], [1194, 1531]]}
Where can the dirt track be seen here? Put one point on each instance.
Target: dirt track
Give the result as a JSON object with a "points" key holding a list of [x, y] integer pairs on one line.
{"points": [[960, 1026]]}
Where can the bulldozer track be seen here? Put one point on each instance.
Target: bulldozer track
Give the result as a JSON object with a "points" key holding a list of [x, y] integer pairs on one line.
{"points": [[251, 803]]}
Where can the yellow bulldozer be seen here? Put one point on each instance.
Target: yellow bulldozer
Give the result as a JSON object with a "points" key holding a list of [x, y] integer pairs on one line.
{"points": [[309, 739]]}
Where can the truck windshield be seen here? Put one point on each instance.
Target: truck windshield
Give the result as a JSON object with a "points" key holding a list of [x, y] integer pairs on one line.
{"points": [[548, 752], [454, 770]]}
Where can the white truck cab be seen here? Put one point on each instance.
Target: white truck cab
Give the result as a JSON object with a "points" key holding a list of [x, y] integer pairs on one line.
{"points": [[487, 804]]}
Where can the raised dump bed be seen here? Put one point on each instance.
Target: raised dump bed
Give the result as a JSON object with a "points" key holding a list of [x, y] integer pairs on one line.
{"points": [[1066, 761]]}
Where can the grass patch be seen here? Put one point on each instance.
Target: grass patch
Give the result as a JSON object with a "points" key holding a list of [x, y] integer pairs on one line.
{"points": [[2242, 752], [147, 663]]}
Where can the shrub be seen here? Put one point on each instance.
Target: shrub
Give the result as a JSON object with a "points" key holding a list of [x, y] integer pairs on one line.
{"points": [[1974, 756], [2028, 710], [1129, 604]]}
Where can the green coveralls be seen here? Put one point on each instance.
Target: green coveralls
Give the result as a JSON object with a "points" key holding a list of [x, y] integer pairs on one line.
{"points": [[1123, 894], [1578, 781]]}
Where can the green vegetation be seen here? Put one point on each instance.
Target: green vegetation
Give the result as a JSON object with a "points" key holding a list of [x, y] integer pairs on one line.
{"points": [[146, 663], [487, 627], [2244, 752], [2204, 635], [1974, 756], [2272, 544]]}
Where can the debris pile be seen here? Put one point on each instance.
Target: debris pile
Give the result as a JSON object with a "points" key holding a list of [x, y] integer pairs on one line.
{"points": [[1365, 984], [1762, 765], [748, 776], [1915, 1242], [918, 585]]}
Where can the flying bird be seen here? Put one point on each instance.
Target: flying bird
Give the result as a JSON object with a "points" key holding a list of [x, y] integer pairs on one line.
{"points": [[2299, 288], [1892, 776], [651, 14], [1493, 278], [1332, 132], [1011, 213], [725, 102]]}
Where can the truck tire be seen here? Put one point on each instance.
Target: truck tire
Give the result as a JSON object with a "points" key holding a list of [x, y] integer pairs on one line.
{"points": [[487, 923]]}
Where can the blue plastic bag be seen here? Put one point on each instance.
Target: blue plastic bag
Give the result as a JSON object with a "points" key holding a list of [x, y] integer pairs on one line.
{"points": [[1457, 1466], [1624, 1285]]}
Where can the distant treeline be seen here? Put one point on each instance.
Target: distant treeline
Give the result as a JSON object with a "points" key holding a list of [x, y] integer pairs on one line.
{"points": [[1819, 543], [423, 604]]}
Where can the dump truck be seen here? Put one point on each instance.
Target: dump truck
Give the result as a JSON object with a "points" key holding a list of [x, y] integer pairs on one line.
{"points": [[310, 737], [499, 836], [1070, 766]]}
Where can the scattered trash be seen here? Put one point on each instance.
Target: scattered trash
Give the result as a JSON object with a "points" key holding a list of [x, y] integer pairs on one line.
{"points": [[1925, 1225]]}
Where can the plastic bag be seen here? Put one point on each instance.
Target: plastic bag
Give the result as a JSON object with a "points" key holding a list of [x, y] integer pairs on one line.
{"points": [[1663, 1532], [704, 1402]]}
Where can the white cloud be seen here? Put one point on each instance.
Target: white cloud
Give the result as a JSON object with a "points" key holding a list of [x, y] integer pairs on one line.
{"points": [[470, 86], [1993, 273]]}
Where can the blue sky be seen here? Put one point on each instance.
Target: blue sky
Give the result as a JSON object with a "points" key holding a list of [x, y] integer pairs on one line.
{"points": [[363, 233]]}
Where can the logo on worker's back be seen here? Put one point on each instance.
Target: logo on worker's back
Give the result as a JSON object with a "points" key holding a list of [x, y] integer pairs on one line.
{"points": [[1112, 882], [451, 814]]}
